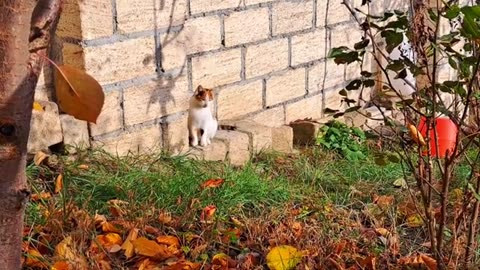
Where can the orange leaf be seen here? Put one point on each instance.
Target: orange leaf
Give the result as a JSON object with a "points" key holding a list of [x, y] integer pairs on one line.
{"points": [[168, 241], [61, 266], [39, 158], [207, 213], [78, 93], [416, 136], [383, 201], [59, 183], [223, 260], [184, 265], [41, 196], [149, 248], [127, 245], [35, 259], [213, 183], [83, 166], [429, 262], [109, 240], [108, 227], [165, 218]]}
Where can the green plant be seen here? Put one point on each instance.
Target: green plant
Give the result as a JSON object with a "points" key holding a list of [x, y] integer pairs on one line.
{"points": [[347, 141]]}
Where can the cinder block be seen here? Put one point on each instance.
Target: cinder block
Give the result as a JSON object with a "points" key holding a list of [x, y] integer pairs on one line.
{"points": [[290, 16], [198, 35], [304, 132], [238, 146], [323, 77], [200, 6], [254, 2], [271, 117], [86, 19], [260, 135], [121, 60], [333, 100], [216, 69], [136, 16], [282, 139], [45, 128], [175, 135], [338, 37], [164, 96], [144, 140], [285, 86], [75, 132], [337, 12], [216, 151], [310, 107], [238, 100], [308, 47], [73, 55], [266, 57], [246, 26], [110, 119]]}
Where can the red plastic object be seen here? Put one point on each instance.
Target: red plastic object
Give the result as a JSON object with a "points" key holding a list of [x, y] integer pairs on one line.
{"points": [[446, 136]]}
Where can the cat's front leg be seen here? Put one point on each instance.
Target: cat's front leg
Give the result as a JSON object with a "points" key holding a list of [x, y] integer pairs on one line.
{"points": [[193, 136], [204, 139]]}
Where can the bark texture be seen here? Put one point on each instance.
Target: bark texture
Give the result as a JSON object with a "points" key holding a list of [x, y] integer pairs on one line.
{"points": [[22, 38]]}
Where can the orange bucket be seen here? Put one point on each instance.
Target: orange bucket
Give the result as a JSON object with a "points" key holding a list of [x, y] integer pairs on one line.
{"points": [[446, 136]]}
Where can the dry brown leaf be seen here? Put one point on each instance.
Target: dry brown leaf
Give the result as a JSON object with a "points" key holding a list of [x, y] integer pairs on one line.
{"points": [[78, 93], [383, 201], [368, 263], [150, 248], [66, 251], [58, 183], [165, 218], [429, 262], [207, 213], [127, 245], [83, 166], [41, 196], [108, 227], [168, 240], [109, 240], [183, 265], [414, 221], [39, 158], [213, 183]]}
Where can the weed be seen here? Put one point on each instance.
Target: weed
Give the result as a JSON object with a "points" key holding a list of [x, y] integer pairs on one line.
{"points": [[347, 141]]}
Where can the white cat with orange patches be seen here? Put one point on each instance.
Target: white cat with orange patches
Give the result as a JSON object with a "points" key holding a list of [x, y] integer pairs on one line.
{"points": [[202, 126]]}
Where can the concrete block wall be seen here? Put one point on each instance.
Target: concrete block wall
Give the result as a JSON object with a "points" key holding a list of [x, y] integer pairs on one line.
{"points": [[266, 60]]}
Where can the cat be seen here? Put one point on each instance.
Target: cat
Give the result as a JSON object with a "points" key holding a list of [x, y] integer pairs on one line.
{"points": [[202, 126]]}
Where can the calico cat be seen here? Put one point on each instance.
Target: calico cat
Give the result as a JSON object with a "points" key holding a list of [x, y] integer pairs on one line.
{"points": [[202, 126]]}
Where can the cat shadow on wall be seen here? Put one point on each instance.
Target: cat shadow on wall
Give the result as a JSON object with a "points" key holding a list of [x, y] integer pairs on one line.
{"points": [[166, 80]]}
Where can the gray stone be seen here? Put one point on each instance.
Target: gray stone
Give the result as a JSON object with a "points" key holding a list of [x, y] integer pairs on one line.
{"points": [[45, 128], [75, 132]]}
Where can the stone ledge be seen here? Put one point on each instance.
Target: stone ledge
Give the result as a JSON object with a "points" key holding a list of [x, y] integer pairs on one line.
{"points": [[238, 139]]}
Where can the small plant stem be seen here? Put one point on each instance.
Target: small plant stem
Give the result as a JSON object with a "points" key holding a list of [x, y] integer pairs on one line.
{"points": [[472, 228]]}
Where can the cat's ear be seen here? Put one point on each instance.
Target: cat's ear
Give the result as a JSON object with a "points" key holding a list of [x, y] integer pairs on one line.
{"points": [[210, 94], [199, 89]]}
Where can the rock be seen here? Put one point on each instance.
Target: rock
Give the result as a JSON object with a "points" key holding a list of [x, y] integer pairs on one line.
{"points": [[282, 139], [238, 146], [75, 132], [304, 132], [45, 128]]}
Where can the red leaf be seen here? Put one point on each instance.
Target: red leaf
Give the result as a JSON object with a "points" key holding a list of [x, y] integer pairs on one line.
{"points": [[213, 183]]}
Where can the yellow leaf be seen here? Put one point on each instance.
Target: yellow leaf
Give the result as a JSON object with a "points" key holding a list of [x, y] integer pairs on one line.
{"points": [[416, 136], [110, 239], [40, 196], [83, 166], [38, 107], [64, 249], [149, 248], [283, 258], [39, 158], [414, 221], [78, 93], [59, 183], [127, 245]]}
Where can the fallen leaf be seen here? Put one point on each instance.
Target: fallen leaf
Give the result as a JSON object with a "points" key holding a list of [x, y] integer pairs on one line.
{"points": [[400, 183], [150, 248], [368, 263], [61, 266], [109, 240], [414, 221], [108, 227], [168, 241], [382, 231], [283, 258], [224, 261], [213, 183], [39, 158], [58, 183], [38, 107], [127, 245], [66, 251], [429, 262], [183, 265], [41, 196], [35, 259], [382, 201], [207, 213], [78, 93], [83, 166], [165, 218]]}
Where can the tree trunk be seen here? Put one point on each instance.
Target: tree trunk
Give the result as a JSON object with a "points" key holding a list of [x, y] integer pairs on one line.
{"points": [[20, 34]]}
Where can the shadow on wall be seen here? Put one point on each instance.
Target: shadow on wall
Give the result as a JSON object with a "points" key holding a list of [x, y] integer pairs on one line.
{"points": [[167, 80]]}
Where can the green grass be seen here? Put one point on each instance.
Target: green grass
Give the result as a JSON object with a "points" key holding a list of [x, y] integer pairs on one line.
{"points": [[172, 183]]}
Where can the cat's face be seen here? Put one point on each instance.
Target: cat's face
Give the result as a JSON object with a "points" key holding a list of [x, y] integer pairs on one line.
{"points": [[203, 96]]}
